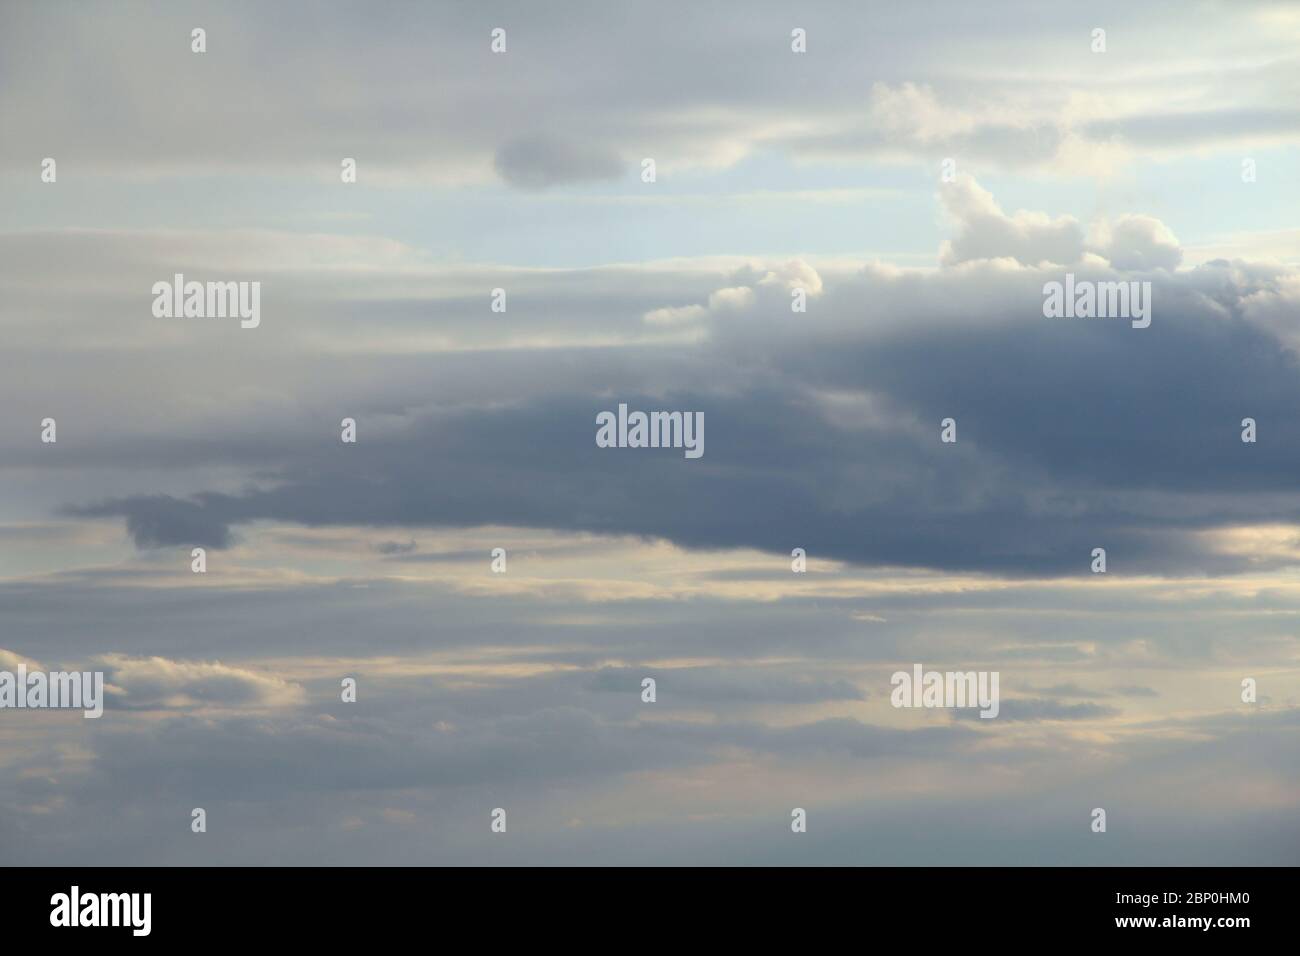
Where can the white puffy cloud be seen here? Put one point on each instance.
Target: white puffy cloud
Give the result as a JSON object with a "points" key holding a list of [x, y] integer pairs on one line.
{"points": [[1136, 243], [911, 113], [1131, 243], [794, 274], [984, 231]]}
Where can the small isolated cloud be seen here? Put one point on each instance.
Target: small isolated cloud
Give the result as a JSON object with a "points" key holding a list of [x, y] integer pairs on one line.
{"points": [[159, 521], [396, 547], [539, 162]]}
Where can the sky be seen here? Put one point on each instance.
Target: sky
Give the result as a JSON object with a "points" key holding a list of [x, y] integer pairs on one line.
{"points": [[918, 173]]}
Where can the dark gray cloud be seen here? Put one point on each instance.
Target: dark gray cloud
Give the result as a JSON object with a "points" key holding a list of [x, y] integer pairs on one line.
{"points": [[1071, 435], [539, 161], [396, 547], [1034, 709], [161, 520]]}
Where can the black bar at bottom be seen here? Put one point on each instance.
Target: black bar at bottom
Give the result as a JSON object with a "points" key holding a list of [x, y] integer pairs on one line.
{"points": [[1205, 905]]}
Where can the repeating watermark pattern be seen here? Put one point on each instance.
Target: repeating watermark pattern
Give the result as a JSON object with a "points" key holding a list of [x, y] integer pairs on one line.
{"points": [[952, 689], [848, 377], [53, 690], [683, 430], [210, 300], [1248, 690], [77, 909], [1090, 299]]}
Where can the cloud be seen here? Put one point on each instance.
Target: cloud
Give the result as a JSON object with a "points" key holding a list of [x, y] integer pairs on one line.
{"points": [[984, 231], [927, 99], [1036, 709], [11, 661], [1273, 306], [711, 685], [1139, 244], [1132, 243], [1070, 690], [834, 414], [773, 283], [396, 547], [160, 520], [159, 683], [542, 161]]}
